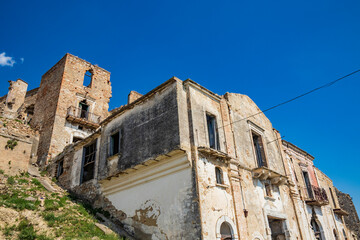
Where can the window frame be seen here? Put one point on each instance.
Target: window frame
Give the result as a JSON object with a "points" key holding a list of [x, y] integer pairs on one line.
{"points": [[259, 149], [92, 156], [219, 175], [213, 120], [111, 144]]}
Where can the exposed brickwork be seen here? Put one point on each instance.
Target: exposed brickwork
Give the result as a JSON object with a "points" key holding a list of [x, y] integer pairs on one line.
{"points": [[61, 88]]}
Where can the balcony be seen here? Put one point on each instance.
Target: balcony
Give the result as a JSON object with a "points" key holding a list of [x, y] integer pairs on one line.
{"points": [[340, 212], [316, 196], [82, 117], [264, 173]]}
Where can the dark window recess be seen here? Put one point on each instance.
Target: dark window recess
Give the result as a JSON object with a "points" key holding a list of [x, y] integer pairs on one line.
{"points": [[308, 184], [213, 132], [114, 144], [84, 109], [87, 79], [316, 229], [259, 150], [60, 168], [88, 166], [219, 176], [76, 139], [268, 191]]}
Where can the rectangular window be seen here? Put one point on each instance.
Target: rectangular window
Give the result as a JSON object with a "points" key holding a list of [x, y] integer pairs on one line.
{"points": [[114, 144], [212, 132], [308, 185], [60, 169], [259, 150], [88, 164], [268, 191]]}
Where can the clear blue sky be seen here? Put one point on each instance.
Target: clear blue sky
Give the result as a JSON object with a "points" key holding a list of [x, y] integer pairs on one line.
{"points": [[269, 50]]}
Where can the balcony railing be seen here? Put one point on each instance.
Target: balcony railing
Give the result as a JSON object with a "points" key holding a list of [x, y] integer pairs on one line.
{"points": [[316, 196], [82, 117]]}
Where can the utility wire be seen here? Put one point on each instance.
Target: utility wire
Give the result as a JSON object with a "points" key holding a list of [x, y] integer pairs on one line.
{"points": [[297, 97]]}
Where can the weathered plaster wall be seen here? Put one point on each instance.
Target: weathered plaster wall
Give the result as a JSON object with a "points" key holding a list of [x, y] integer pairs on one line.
{"points": [[164, 209], [149, 129], [216, 199]]}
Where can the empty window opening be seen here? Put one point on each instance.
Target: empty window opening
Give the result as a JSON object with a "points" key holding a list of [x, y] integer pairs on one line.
{"points": [[60, 169], [268, 191], [76, 139], [259, 150], [219, 175], [212, 132], [88, 78], [308, 184], [226, 231], [316, 229], [84, 109], [88, 166], [114, 144], [277, 228]]}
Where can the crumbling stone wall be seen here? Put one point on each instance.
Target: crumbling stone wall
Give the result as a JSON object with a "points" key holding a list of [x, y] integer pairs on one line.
{"points": [[11, 103], [62, 87], [17, 146], [352, 221]]}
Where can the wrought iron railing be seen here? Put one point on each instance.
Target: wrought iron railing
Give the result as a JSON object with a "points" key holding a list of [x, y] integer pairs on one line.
{"points": [[316, 194], [83, 114]]}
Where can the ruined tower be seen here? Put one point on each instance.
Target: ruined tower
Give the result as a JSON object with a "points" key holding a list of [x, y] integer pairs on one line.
{"points": [[72, 99], [14, 100]]}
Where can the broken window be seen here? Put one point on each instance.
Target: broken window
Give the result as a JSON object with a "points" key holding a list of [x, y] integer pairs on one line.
{"points": [[60, 168], [88, 78], [219, 176], [268, 191], [88, 163], [84, 109], [277, 228], [259, 150], [114, 144], [212, 132]]}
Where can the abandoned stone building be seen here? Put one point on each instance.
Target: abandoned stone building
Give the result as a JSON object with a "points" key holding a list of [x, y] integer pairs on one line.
{"points": [[180, 162]]}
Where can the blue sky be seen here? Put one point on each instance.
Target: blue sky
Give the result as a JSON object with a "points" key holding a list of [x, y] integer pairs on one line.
{"points": [[269, 50]]}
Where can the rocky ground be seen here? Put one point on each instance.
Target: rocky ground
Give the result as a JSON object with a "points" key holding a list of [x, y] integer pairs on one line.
{"points": [[32, 206]]}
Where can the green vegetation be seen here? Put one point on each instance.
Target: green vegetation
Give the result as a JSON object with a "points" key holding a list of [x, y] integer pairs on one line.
{"points": [[11, 144], [61, 216]]}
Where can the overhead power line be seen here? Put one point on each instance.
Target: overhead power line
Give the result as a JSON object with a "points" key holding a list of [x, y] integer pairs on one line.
{"points": [[297, 97]]}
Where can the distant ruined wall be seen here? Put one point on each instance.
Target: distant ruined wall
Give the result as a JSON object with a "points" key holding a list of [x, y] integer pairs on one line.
{"points": [[352, 221]]}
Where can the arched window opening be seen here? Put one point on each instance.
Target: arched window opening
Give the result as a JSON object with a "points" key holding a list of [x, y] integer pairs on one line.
{"points": [[225, 231], [88, 78], [316, 228], [219, 176]]}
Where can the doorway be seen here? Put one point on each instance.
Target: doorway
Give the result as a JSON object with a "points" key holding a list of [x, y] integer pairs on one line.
{"points": [[277, 228]]}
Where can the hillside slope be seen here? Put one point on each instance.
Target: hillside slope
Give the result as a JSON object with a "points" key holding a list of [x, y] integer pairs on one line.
{"points": [[33, 207]]}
